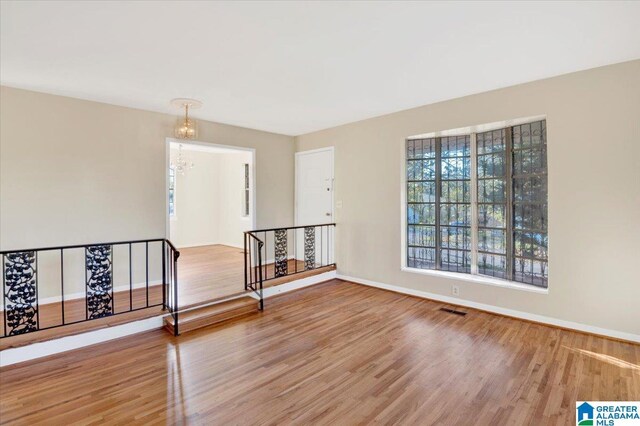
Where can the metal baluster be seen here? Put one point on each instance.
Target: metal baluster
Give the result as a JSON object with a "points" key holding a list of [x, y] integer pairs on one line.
{"points": [[61, 283], [175, 290], [113, 276], [260, 262], [245, 261], [286, 232], [164, 276], [250, 268], [328, 245], [257, 265], [171, 283], [321, 250], [130, 280], [147, 270], [332, 245], [37, 297]]}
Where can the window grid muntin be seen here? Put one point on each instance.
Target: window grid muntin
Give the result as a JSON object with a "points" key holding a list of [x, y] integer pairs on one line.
{"points": [[454, 245], [510, 168], [530, 251], [491, 175], [421, 234], [429, 241]]}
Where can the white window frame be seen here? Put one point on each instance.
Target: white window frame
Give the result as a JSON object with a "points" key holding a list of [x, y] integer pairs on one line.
{"points": [[246, 190], [472, 277], [173, 216]]}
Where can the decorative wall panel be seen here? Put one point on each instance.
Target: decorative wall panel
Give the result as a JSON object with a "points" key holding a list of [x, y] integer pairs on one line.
{"points": [[20, 292], [309, 247], [99, 281], [280, 249]]}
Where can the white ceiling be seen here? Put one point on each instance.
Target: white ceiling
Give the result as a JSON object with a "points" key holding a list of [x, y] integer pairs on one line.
{"points": [[296, 67]]}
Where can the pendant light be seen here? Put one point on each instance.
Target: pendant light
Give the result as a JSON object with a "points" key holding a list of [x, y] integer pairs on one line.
{"points": [[186, 126]]}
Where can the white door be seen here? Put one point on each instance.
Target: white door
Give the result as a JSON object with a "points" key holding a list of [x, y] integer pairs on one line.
{"points": [[314, 202]]}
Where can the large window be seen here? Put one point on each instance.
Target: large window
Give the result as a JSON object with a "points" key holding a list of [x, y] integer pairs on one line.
{"points": [[487, 216]]}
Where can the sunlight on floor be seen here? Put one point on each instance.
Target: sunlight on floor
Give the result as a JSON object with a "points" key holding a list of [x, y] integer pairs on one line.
{"points": [[175, 389], [607, 358]]}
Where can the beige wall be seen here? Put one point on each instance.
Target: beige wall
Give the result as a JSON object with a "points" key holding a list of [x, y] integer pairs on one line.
{"points": [[74, 171], [593, 122]]}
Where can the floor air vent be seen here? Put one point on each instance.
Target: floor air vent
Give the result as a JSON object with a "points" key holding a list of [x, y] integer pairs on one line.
{"points": [[453, 311]]}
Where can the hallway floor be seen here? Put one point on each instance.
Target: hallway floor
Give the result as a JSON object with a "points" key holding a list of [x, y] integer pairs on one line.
{"points": [[209, 272]]}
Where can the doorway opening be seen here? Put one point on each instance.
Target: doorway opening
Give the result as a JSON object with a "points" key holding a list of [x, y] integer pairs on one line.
{"points": [[210, 194]]}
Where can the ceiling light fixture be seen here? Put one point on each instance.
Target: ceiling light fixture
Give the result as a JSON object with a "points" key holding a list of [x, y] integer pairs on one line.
{"points": [[186, 127]]}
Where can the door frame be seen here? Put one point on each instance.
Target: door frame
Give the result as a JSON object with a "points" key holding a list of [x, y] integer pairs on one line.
{"points": [[252, 176], [298, 154]]}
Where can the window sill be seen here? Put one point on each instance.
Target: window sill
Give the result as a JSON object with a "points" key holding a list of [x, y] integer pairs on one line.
{"points": [[479, 279]]}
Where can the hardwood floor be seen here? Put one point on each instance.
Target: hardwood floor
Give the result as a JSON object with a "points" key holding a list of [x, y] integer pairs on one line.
{"points": [[210, 272], [216, 271], [334, 353]]}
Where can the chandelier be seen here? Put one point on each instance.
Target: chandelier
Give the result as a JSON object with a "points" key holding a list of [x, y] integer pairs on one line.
{"points": [[181, 164], [186, 126]]}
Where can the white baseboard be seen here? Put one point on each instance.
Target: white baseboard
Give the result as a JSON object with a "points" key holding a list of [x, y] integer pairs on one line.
{"points": [[189, 245], [297, 284], [37, 350], [220, 243], [498, 310], [232, 245]]}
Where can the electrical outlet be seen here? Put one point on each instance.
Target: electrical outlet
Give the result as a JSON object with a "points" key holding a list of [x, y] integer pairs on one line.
{"points": [[456, 290]]}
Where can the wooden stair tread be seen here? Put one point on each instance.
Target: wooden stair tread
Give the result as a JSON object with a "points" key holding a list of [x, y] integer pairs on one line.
{"points": [[213, 314], [218, 308]]}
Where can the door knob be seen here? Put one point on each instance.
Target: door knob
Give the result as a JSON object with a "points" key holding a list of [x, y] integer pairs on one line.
{"points": [[327, 214]]}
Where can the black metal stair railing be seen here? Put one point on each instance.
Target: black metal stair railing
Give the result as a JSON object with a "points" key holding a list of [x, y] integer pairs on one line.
{"points": [[170, 282], [49, 287], [253, 277], [280, 252]]}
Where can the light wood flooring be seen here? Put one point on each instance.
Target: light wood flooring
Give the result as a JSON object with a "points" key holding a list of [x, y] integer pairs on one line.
{"points": [[215, 272], [336, 353]]}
